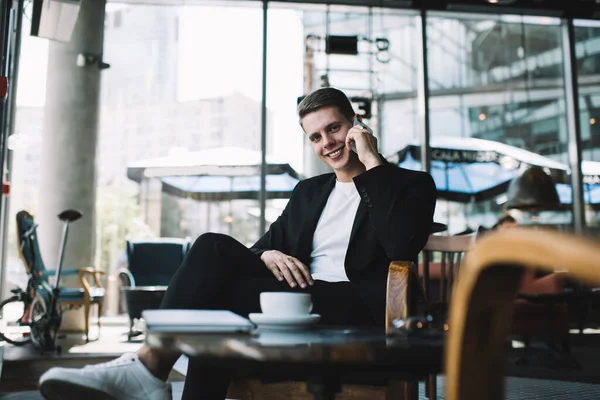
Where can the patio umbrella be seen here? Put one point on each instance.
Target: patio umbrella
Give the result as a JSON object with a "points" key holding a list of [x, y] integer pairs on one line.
{"points": [[225, 173], [217, 188], [469, 169]]}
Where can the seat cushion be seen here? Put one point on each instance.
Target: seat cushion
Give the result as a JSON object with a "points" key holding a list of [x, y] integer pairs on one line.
{"points": [[435, 270], [70, 294]]}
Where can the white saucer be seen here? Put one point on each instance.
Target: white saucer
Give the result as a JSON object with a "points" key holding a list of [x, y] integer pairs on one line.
{"points": [[264, 321]]}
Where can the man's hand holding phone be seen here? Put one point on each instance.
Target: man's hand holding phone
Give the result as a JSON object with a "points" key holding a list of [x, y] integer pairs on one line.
{"points": [[360, 139], [287, 267]]}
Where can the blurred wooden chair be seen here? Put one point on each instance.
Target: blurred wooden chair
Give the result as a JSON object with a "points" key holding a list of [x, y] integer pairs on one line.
{"points": [[482, 305]]}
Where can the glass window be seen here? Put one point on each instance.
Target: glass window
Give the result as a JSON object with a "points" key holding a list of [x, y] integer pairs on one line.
{"points": [[587, 34], [184, 89], [373, 62], [185, 86], [497, 78]]}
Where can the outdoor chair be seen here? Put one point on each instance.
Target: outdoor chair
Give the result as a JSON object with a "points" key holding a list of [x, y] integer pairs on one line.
{"points": [[541, 309], [482, 305], [91, 290], [151, 265]]}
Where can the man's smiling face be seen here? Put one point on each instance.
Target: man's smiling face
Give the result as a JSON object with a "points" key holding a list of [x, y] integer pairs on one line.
{"points": [[326, 129]]}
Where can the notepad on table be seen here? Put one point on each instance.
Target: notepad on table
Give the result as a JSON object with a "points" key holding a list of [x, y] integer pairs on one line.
{"points": [[195, 321]]}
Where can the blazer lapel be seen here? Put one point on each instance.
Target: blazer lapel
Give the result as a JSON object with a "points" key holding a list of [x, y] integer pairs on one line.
{"points": [[316, 204]]}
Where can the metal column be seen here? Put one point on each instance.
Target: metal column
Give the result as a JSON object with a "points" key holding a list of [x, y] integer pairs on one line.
{"points": [[423, 96], [13, 73], [573, 122], [263, 126], [6, 23]]}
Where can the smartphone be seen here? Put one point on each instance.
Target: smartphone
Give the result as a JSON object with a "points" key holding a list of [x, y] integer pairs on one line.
{"points": [[358, 122]]}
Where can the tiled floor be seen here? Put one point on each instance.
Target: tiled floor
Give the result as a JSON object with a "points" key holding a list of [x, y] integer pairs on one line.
{"points": [[534, 389], [516, 389], [114, 340]]}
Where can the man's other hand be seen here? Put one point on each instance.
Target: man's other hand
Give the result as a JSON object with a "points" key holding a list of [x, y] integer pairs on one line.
{"points": [[287, 267]]}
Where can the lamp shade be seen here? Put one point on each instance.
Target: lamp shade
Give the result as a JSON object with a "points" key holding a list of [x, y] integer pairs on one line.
{"points": [[534, 189]]}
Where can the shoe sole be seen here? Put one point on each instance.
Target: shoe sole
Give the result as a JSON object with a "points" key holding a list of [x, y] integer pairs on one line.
{"points": [[61, 390]]}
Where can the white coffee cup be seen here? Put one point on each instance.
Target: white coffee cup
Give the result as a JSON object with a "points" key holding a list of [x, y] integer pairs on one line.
{"points": [[285, 304]]}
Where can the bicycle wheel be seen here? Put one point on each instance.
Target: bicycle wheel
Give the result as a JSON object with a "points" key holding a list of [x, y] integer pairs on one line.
{"points": [[18, 332], [44, 325]]}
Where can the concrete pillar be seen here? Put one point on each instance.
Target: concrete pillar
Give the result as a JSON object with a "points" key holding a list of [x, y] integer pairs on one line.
{"points": [[69, 147]]}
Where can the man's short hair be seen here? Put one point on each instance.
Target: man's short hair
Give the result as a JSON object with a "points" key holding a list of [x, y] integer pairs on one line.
{"points": [[326, 97]]}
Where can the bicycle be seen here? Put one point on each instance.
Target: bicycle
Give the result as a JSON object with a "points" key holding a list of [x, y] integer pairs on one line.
{"points": [[41, 312]]}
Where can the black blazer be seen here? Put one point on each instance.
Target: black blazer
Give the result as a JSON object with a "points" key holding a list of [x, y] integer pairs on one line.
{"points": [[393, 222]]}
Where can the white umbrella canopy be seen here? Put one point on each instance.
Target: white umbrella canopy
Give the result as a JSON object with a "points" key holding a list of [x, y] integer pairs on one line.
{"points": [[221, 161], [223, 173]]}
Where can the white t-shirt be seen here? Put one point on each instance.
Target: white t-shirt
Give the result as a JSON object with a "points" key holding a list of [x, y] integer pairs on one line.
{"points": [[332, 236]]}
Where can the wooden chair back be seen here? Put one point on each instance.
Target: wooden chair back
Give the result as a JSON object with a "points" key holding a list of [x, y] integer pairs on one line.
{"points": [[441, 260], [401, 291], [482, 305]]}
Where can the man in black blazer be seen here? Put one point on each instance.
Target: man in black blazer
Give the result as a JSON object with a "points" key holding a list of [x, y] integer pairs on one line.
{"points": [[335, 239], [393, 220]]}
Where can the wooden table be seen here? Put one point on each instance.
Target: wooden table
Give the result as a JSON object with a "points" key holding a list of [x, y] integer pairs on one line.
{"points": [[323, 357]]}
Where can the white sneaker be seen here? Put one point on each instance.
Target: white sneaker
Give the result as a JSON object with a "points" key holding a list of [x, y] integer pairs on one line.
{"points": [[125, 378]]}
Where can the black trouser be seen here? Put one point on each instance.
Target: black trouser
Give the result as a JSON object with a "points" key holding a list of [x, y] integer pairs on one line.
{"points": [[221, 273]]}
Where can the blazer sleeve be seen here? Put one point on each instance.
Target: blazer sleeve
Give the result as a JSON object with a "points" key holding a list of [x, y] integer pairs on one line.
{"points": [[276, 237], [400, 204]]}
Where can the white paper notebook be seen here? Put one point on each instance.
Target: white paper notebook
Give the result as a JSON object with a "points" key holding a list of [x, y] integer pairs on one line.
{"points": [[195, 321]]}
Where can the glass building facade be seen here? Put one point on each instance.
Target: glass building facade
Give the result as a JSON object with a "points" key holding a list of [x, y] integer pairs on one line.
{"points": [[189, 78]]}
